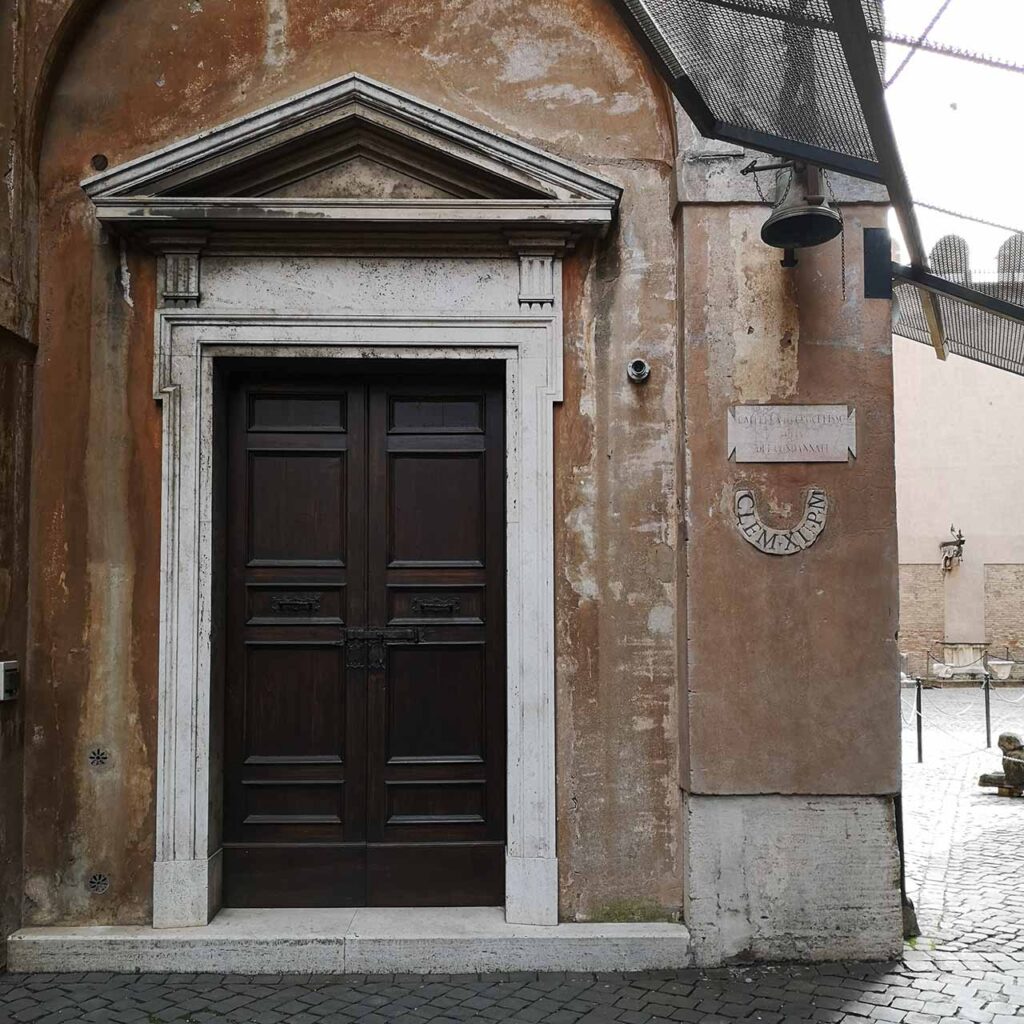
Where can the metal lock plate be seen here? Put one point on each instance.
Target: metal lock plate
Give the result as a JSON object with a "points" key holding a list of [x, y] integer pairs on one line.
{"points": [[367, 648]]}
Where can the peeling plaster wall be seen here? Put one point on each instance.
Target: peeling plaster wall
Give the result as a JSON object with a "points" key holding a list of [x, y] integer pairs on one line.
{"points": [[792, 661], [685, 657], [565, 76], [790, 722]]}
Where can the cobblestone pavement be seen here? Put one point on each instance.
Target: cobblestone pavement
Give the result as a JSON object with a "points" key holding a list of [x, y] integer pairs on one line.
{"points": [[924, 989], [964, 844], [964, 857]]}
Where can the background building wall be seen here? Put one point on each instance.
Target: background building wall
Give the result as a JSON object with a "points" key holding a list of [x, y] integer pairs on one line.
{"points": [[1004, 607], [959, 462], [922, 608]]}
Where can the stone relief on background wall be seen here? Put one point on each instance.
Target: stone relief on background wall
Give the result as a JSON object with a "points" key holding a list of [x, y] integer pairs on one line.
{"points": [[781, 542]]}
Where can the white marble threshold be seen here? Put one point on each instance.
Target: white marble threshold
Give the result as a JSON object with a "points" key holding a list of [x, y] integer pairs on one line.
{"points": [[363, 941]]}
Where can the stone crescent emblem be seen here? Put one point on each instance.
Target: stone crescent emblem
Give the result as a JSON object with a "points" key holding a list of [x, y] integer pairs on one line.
{"points": [[781, 542]]}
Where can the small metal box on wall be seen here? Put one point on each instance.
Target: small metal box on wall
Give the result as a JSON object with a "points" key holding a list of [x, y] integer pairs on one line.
{"points": [[10, 680]]}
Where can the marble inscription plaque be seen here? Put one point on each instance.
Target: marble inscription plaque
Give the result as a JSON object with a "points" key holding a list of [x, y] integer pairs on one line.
{"points": [[791, 433], [781, 542]]}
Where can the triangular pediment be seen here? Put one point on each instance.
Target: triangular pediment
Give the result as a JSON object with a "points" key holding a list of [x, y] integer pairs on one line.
{"points": [[352, 139], [361, 176]]}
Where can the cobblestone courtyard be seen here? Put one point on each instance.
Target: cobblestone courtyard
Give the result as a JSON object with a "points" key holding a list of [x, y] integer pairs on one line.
{"points": [[964, 862], [964, 851]]}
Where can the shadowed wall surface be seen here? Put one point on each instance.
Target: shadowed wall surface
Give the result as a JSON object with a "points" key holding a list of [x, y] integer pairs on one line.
{"points": [[15, 431]]}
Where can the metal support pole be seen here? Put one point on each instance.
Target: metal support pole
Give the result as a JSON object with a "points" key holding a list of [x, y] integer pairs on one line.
{"points": [[917, 713], [988, 710]]}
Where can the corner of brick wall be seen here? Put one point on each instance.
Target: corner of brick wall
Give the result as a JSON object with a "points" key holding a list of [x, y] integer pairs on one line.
{"points": [[1004, 605], [922, 609]]}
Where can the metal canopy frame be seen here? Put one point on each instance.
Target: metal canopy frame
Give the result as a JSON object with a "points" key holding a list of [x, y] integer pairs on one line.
{"points": [[855, 40], [846, 21], [931, 284], [652, 39]]}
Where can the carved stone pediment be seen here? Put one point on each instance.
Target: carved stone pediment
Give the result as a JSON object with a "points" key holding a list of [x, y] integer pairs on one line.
{"points": [[359, 159], [351, 155], [360, 176]]}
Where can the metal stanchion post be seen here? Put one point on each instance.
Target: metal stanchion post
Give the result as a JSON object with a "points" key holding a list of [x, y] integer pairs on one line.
{"points": [[917, 712], [988, 710]]}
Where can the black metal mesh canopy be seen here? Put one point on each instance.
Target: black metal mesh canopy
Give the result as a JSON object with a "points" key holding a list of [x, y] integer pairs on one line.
{"points": [[805, 79], [768, 74], [970, 330]]}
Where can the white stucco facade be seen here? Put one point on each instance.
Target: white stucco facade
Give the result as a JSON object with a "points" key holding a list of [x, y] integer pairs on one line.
{"points": [[960, 463]]}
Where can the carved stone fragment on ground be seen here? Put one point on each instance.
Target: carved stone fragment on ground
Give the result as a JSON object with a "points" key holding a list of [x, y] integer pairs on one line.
{"points": [[1010, 781]]}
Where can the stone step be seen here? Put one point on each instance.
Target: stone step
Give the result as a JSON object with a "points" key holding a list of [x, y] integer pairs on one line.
{"points": [[419, 940]]}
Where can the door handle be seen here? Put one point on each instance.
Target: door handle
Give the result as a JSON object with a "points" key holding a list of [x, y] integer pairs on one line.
{"points": [[436, 605]]}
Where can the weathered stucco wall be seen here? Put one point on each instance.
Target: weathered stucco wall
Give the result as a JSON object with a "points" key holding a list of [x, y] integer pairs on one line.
{"points": [[792, 660], [790, 723], [685, 657], [563, 76]]}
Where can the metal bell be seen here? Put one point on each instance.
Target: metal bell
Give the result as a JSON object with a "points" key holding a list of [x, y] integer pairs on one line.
{"points": [[803, 218]]}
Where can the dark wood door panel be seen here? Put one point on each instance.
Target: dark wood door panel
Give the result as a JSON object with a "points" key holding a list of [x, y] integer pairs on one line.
{"points": [[308, 603], [468, 874], [278, 411], [431, 604], [436, 699], [364, 734], [295, 876], [412, 413], [294, 699], [437, 509], [297, 503]]}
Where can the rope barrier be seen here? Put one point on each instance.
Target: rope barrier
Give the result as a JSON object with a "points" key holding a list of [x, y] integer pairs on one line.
{"points": [[954, 714], [913, 712], [1006, 700], [973, 750], [930, 723]]}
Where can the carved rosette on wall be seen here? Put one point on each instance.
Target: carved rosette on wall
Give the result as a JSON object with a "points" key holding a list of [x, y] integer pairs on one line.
{"points": [[780, 542]]}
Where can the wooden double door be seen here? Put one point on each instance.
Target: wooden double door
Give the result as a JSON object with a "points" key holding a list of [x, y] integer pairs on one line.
{"points": [[364, 668]]}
